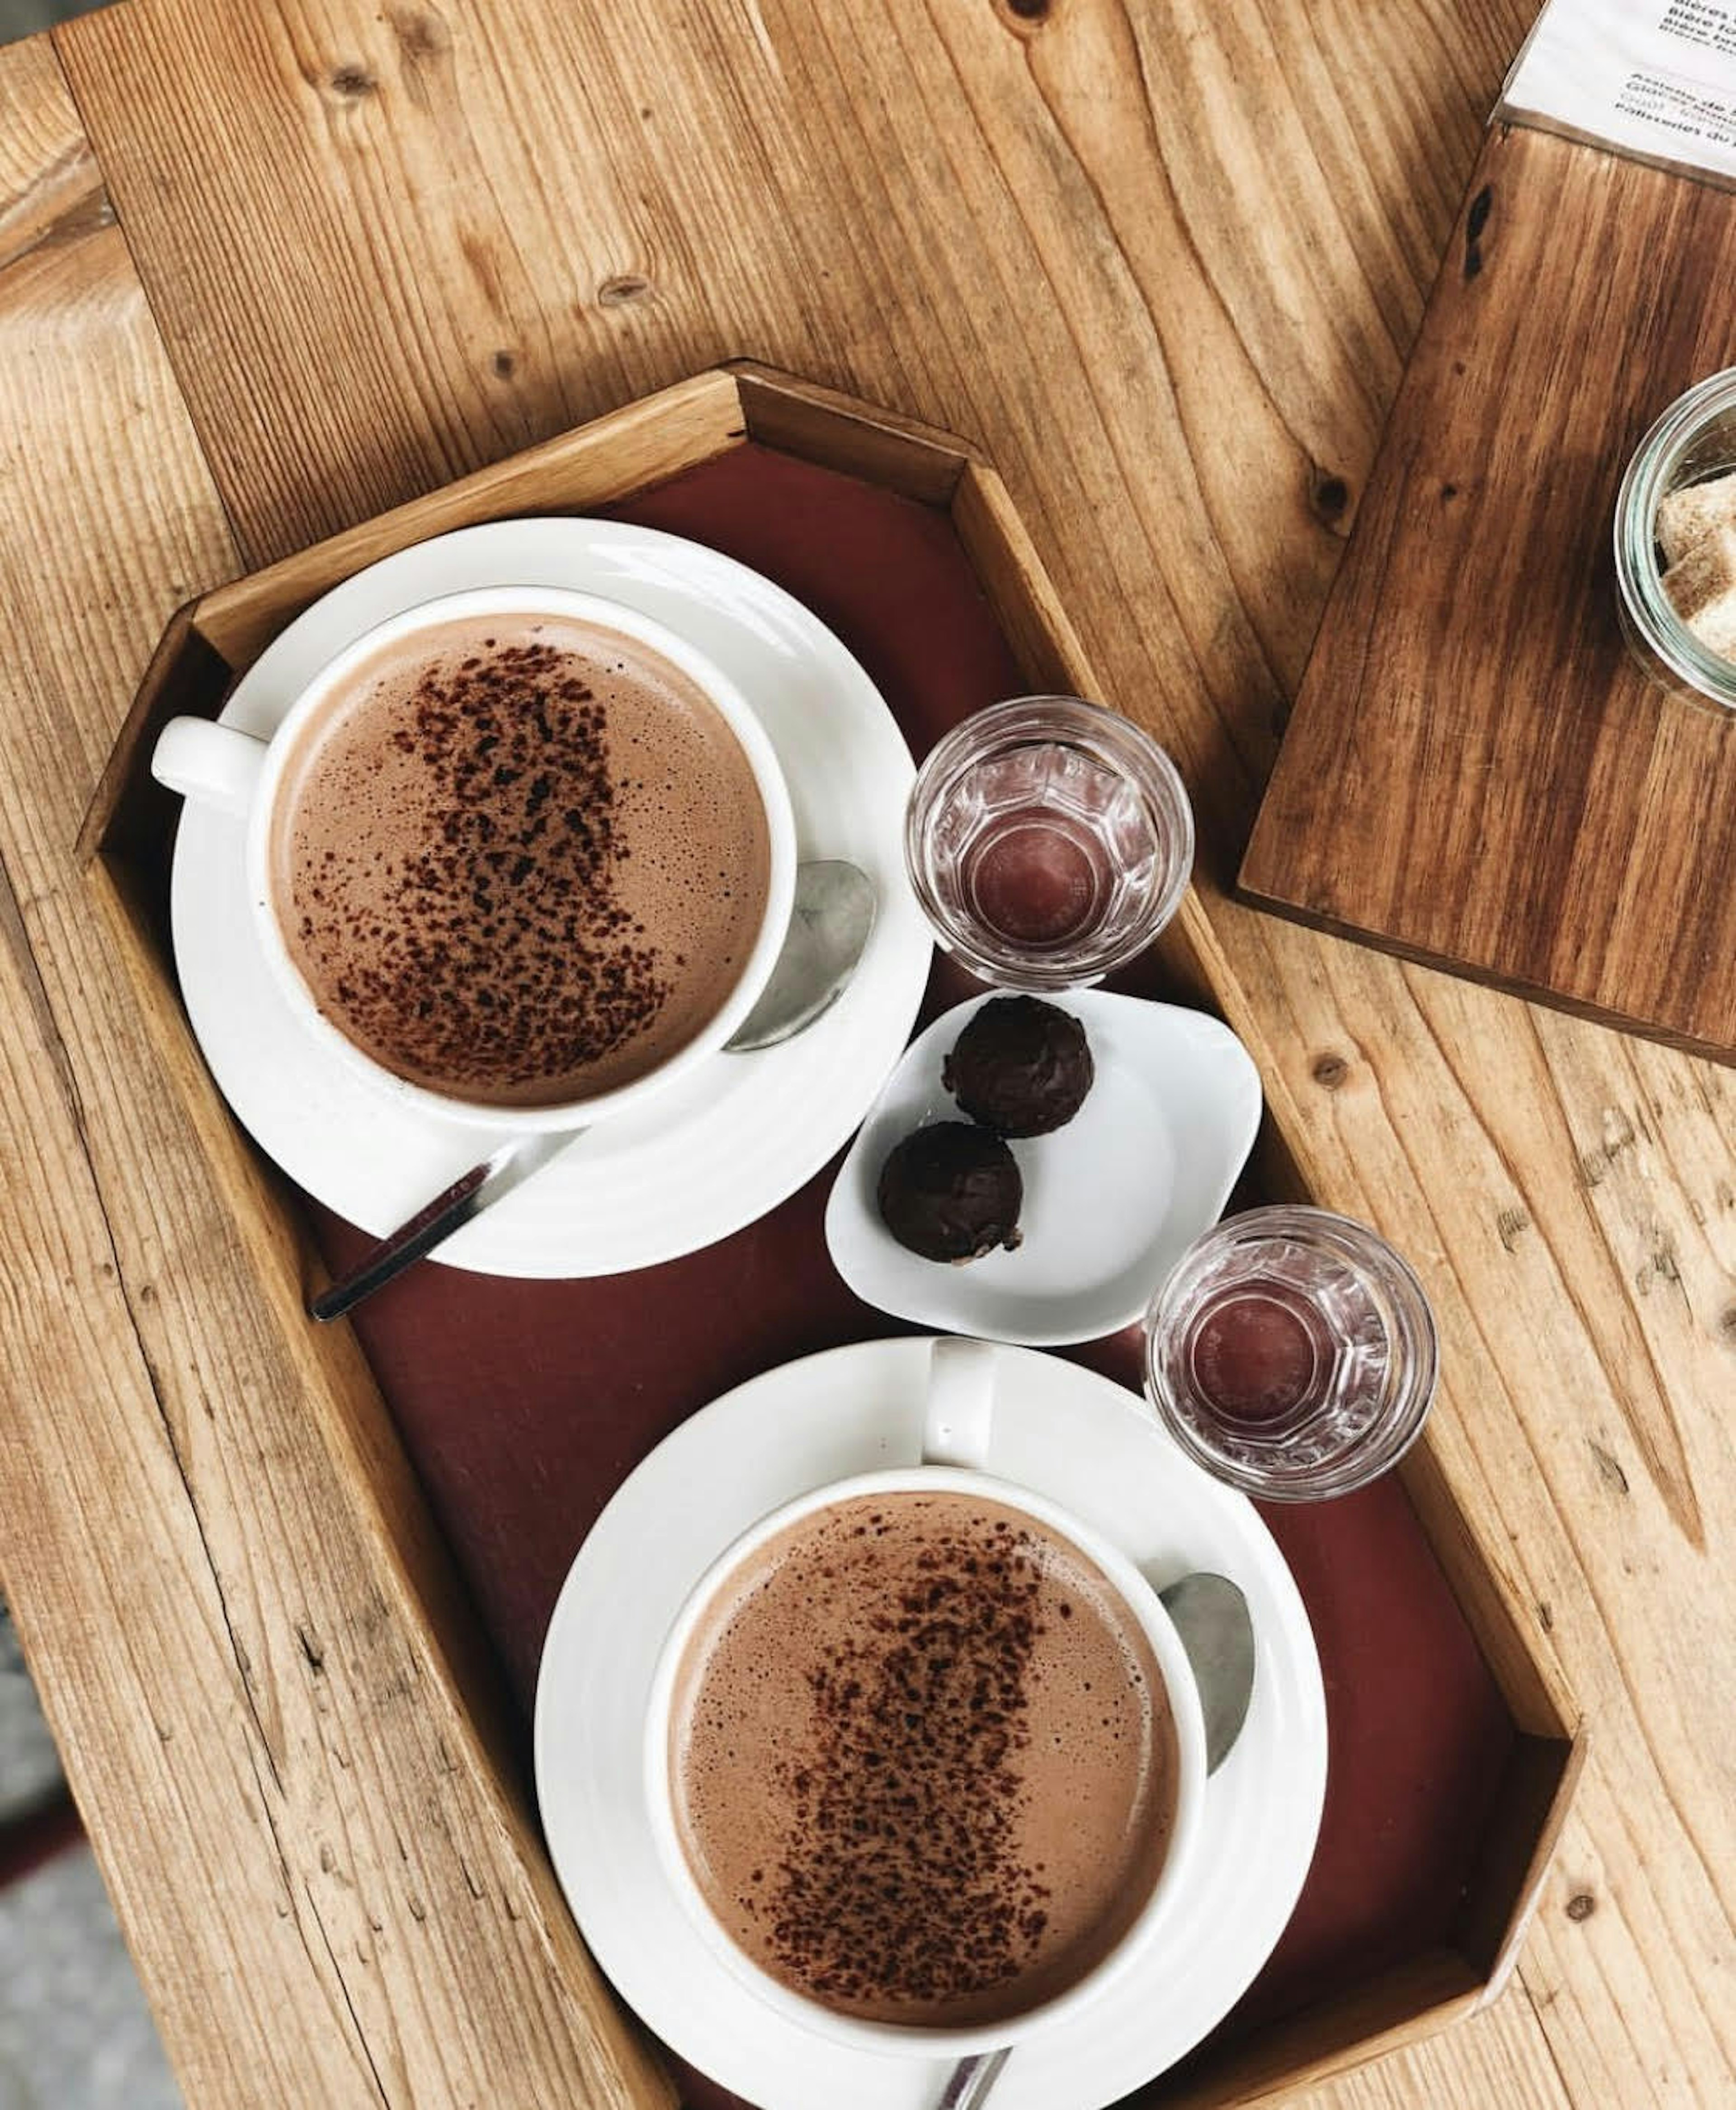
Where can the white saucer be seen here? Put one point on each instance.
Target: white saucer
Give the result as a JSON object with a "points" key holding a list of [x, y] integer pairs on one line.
{"points": [[1092, 1446], [723, 1145], [1111, 1201]]}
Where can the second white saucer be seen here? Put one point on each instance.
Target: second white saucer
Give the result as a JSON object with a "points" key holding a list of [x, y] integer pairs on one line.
{"points": [[1090, 1446]]}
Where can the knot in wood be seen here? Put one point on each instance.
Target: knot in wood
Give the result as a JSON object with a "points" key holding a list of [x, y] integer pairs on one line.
{"points": [[1329, 495], [421, 34]]}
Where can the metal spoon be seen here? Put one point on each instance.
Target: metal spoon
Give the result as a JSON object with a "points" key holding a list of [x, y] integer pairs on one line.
{"points": [[1211, 1617], [1210, 1614], [830, 925]]}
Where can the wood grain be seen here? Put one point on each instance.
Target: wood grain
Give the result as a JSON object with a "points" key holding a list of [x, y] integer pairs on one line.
{"points": [[50, 190], [307, 1840], [1488, 2063], [1164, 265], [1477, 774], [638, 444], [1422, 1997]]}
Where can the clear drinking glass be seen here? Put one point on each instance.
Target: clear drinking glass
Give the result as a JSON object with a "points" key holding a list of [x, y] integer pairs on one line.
{"points": [[1292, 1353], [1693, 442], [1049, 841]]}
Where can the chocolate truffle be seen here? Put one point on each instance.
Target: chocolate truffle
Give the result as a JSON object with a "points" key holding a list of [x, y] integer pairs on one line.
{"points": [[951, 1191], [1021, 1066]]}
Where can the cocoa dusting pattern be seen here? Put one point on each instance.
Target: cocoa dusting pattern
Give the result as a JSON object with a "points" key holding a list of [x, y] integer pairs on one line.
{"points": [[496, 954], [901, 1882]]}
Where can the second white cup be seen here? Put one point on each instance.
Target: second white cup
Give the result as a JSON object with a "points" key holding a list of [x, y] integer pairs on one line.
{"points": [[958, 1424]]}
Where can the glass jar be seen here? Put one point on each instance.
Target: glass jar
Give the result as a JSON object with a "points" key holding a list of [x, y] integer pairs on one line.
{"points": [[1693, 441]]}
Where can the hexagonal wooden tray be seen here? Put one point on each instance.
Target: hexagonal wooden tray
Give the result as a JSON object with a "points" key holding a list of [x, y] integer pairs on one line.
{"points": [[1454, 1749]]}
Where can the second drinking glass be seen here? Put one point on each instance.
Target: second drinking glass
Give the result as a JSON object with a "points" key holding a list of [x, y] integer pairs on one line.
{"points": [[1292, 1353], [1049, 841]]}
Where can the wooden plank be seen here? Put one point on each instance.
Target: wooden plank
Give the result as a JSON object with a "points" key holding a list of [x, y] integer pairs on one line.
{"points": [[1525, 1830], [384, 121], [51, 190], [1585, 1291], [222, 1586], [1492, 2061], [183, 674], [1162, 264], [1526, 1668], [1390, 2045], [823, 426], [641, 443], [1405, 2006], [160, 1761], [1032, 613], [1591, 1971], [1476, 773]]}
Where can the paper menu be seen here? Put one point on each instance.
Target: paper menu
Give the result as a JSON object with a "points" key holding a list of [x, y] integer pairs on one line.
{"points": [[1655, 79]]}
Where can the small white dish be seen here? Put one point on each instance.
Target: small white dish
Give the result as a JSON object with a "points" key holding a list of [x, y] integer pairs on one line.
{"points": [[721, 1147], [1111, 1201], [1088, 1444]]}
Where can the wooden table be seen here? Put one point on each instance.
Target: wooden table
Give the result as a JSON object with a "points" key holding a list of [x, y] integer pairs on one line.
{"points": [[265, 271]]}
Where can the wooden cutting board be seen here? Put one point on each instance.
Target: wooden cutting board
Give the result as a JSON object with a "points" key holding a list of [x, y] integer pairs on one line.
{"points": [[1476, 774]]}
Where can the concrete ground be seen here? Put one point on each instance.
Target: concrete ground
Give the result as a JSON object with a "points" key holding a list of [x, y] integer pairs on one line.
{"points": [[75, 2031], [23, 18]]}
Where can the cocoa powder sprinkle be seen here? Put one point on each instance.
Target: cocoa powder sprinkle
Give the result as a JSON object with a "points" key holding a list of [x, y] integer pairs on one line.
{"points": [[497, 954], [902, 1881]]}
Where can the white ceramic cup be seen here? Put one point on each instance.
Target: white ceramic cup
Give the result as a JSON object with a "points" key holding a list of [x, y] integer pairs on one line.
{"points": [[217, 765], [955, 1434]]}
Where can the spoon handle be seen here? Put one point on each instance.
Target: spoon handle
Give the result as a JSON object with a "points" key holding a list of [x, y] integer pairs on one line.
{"points": [[969, 2084], [472, 1192]]}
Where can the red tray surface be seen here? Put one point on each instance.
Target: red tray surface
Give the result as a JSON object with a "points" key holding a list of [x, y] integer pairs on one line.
{"points": [[525, 1404]]}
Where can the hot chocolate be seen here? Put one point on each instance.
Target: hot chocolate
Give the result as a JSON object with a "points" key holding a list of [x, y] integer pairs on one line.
{"points": [[924, 1766], [520, 860]]}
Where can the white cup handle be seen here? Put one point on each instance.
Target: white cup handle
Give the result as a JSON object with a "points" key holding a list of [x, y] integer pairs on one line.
{"points": [[213, 765], [961, 1403]]}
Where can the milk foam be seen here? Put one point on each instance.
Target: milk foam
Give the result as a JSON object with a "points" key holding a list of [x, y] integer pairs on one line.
{"points": [[520, 861], [945, 1847]]}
